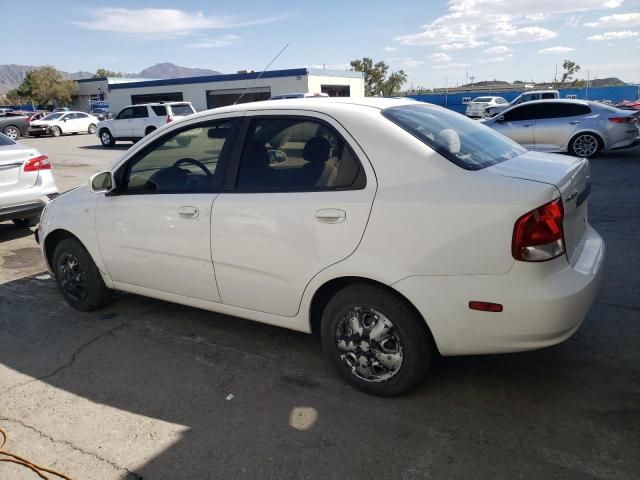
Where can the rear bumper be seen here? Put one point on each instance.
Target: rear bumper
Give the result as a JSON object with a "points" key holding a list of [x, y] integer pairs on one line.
{"points": [[25, 210], [544, 303], [628, 143]]}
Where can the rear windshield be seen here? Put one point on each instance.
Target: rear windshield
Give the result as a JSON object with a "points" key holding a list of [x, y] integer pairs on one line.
{"points": [[483, 99], [182, 110], [469, 144], [4, 140]]}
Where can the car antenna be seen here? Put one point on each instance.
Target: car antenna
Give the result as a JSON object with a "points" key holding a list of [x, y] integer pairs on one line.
{"points": [[258, 77]]}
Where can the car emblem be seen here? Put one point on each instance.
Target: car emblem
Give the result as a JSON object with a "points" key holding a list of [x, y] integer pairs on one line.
{"points": [[572, 196]]}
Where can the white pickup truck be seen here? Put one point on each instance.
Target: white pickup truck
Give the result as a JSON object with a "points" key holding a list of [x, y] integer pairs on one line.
{"points": [[136, 121], [492, 111]]}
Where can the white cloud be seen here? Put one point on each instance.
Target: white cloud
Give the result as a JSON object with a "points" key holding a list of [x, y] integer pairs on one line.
{"points": [[618, 20], [440, 57], [470, 23], [155, 21], [612, 36], [500, 49], [555, 50], [224, 41], [410, 63], [389, 49], [496, 59], [450, 66]]}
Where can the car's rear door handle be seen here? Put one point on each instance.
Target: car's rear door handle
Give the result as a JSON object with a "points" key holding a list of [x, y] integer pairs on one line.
{"points": [[331, 215], [188, 212], [575, 122]]}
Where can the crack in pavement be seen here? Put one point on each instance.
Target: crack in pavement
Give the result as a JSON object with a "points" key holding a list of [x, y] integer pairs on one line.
{"points": [[130, 473], [71, 361]]}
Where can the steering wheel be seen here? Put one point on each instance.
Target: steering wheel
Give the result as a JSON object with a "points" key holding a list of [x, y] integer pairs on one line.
{"points": [[187, 161]]}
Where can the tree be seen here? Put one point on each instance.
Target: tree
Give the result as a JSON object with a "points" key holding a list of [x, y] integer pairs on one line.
{"points": [[570, 68], [45, 86], [103, 73], [375, 77]]}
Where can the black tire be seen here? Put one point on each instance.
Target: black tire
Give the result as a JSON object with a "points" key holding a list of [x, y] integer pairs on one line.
{"points": [[149, 130], [92, 128], [106, 138], [585, 144], [26, 222], [12, 132], [409, 339], [78, 277], [55, 131]]}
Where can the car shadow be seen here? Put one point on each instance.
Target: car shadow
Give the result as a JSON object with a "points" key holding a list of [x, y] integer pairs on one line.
{"points": [[117, 146], [9, 231]]}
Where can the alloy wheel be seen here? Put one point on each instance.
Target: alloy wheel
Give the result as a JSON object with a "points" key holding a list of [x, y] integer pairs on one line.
{"points": [[585, 145], [12, 133], [369, 345], [72, 277]]}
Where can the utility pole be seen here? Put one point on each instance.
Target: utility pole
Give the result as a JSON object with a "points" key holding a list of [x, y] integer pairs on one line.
{"points": [[555, 77]]}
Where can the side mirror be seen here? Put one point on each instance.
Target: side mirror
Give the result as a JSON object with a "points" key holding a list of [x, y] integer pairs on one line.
{"points": [[276, 157], [102, 182]]}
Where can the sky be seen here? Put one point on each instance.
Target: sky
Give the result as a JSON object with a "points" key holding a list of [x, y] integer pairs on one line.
{"points": [[436, 43]]}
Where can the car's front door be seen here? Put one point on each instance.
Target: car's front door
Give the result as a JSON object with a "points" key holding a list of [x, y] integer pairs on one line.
{"points": [[297, 198], [123, 123], [154, 230], [517, 123], [67, 123]]}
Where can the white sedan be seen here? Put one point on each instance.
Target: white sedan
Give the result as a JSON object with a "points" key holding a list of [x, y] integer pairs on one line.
{"points": [[394, 228], [60, 123], [476, 107]]}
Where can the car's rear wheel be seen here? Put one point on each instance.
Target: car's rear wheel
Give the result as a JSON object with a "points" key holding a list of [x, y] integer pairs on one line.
{"points": [[26, 222], [92, 129], [55, 131], [149, 130], [12, 132], [78, 277], [585, 145], [106, 138], [375, 340]]}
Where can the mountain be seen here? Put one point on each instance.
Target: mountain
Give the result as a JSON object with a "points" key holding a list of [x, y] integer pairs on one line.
{"points": [[11, 76], [169, 70]]}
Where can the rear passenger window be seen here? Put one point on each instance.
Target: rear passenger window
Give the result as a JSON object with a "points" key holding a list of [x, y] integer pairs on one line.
{"points": [[296, 154], [140, 112], [159, 110], [548, 96], [525, 112]]}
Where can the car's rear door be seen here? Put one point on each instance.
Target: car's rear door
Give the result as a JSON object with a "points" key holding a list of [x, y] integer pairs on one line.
{"points": [[297, 198], [556, 123], [140, 121], [154, 231]]}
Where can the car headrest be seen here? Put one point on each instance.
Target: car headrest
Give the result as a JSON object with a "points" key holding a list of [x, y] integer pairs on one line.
{"points": [[316, 149], [450, 140]]}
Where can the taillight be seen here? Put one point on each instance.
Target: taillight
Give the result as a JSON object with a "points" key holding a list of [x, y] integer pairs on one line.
{"points": [[621, 119], [37, 163], [538, 235], [169, 118]]}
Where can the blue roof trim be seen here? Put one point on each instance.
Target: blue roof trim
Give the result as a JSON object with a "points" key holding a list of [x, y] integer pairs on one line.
{"points": [[294, 72]]}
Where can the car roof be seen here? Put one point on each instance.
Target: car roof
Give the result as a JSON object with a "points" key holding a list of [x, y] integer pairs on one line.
{"points": [[558, 100], [153, 104], [317, 104]]}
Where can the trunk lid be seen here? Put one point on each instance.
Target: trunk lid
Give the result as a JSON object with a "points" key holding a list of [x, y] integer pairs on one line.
{"points": [[570, 175], [12, 174]]}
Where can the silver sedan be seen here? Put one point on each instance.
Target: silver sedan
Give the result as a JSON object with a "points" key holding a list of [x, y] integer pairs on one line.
{"points": [[579, 127]]}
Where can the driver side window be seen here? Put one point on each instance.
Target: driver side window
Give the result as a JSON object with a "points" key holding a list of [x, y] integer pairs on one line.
{"points": [[183, 161]]}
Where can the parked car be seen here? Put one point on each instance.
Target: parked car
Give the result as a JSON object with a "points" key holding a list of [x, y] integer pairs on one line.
{"points": [[394, 228], [61, 109], [26, 183], [136, 121], [530, 96], [100, 113], [579, 127], [298, 95], [5, 110], [477, 106], [629, 104], [60, 123], [14, 126]]}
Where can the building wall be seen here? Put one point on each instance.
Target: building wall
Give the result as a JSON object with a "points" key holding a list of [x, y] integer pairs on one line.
{"points": [[356, 85], [196, 93]]}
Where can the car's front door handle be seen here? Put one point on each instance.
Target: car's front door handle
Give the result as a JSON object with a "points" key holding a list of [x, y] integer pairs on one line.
{"points": [[527, 124], [188, 212], [575, 122], [331, 215]]}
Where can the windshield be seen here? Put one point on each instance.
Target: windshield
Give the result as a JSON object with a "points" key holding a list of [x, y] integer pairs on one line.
{"points": [[4, 140], [53, 116], [466, 143], [483, 99], [181, 110]]}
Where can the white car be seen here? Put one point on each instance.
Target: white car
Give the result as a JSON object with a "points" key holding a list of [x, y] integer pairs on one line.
{"points": [[531, 96], [26, 183], [136, 121], [61, 123], [394, 228], [477, 106]]}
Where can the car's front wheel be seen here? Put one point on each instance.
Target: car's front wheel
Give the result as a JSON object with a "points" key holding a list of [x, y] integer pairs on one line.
{"points": [[78, 277], [106, 138], [56, 131], [585, 145], [375, 340], [12, 132]]}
